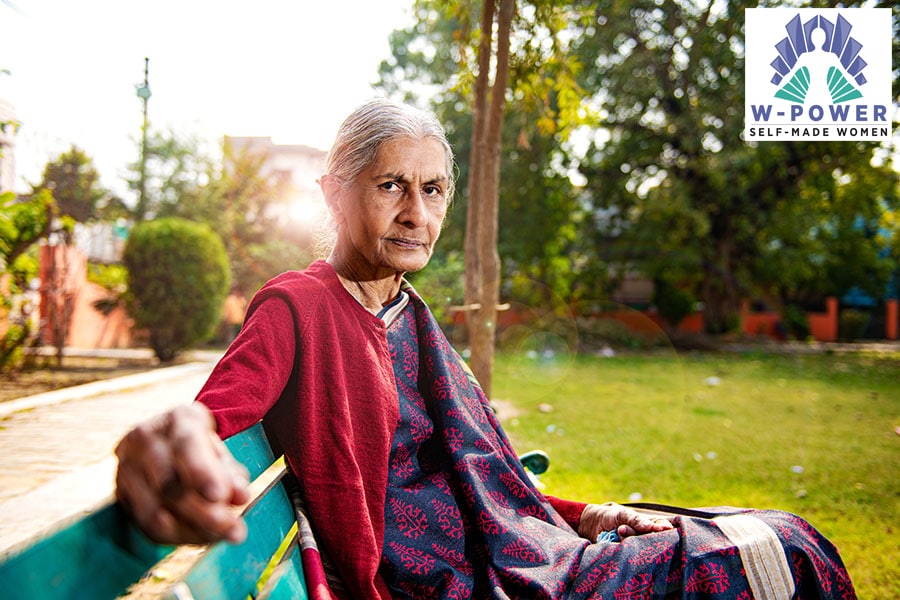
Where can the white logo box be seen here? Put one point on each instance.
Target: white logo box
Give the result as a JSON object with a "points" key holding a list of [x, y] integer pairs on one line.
{"points": [[818, 74]]}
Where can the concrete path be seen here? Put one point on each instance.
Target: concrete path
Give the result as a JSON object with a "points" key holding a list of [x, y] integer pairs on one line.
{"points": [[56, 449]]}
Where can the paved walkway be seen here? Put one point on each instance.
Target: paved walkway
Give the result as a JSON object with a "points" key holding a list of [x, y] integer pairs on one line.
{"points": [[56, 449]]}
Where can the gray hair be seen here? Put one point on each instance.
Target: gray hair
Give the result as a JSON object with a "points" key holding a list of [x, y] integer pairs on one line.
{"points": [[374, 123]]}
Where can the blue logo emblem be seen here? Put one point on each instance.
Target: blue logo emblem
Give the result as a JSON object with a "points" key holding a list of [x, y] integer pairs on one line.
{"points": [[819, 52]]}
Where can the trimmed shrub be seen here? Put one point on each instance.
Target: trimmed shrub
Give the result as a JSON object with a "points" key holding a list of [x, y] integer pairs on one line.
{"points": [[796, 322], [853, 323], [597, 332], [178, 278], [673, 303]]}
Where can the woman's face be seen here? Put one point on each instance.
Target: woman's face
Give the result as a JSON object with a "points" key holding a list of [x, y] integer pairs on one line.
{"points": [[390, 217]]}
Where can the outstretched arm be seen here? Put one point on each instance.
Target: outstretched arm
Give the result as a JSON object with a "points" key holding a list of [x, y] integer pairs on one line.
{"points": [[178, 480]]}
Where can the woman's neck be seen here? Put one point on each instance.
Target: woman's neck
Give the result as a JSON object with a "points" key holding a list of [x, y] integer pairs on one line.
{"points": [[370, 289]]}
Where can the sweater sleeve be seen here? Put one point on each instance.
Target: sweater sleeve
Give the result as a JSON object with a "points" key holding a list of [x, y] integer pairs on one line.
{"points": [[570, 510], [250, 377]]}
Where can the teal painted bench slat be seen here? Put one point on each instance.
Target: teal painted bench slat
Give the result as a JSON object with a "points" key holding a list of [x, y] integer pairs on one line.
{"points": [[268, 561], [104, 556], [233, 571], [95, 557]]}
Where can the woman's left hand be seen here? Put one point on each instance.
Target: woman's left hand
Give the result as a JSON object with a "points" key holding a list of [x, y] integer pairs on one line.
{"points": [[625, 521]]}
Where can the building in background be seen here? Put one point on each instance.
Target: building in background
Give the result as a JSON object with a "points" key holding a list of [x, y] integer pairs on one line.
{"points": [[295, 166], [8, 126]]}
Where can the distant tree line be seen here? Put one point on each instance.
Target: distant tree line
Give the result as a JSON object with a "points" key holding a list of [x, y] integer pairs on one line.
{"points": [[620, 153], [231, 197]]}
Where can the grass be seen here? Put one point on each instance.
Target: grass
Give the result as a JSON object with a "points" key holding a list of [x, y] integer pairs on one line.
{"points": [[811, 434]]}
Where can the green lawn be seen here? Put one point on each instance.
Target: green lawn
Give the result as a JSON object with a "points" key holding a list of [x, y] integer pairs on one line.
{"points": [[810, 434]]}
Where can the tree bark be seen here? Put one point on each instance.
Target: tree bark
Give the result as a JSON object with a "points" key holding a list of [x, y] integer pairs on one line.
{"points": [[720, 294], [482, 258], [473, 278]]}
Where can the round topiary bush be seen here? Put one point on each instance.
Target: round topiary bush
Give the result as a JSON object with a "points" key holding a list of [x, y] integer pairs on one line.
{"points": [[853, 324], [178, 278], [796, 321], [673, 303]]}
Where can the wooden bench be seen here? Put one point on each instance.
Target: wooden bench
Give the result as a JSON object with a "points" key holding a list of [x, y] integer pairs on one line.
{"points": [[103, 555]]}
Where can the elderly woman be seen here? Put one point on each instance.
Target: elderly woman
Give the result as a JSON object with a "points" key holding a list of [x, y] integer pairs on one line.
{"points": [[410, 482]]}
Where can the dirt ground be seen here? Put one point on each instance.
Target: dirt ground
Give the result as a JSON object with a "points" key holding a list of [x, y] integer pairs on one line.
{"points": [[46, 376]]}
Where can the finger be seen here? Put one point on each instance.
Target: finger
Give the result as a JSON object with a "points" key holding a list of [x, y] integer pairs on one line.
{"points": [[142, 451], [208, 520], [189, 519], [236, 535], [624, 531], [196, 457], [646, 524], [137, 498], [191, 533], [239, 476]]}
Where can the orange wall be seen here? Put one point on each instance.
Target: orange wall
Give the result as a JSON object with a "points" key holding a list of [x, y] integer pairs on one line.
{"points": [[823, 326], [91, 329], [891, 320], [88, 327]]}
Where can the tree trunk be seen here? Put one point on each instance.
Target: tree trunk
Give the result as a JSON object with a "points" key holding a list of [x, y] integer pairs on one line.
{"points": [[719, 292], [60, 299], [473, 276], [482, 259]]}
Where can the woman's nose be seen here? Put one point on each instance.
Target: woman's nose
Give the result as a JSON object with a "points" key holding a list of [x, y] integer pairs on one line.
{"points": [[414, 212]]}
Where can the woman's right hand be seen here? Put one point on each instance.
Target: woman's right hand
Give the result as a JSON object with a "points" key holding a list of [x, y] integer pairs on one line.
{"points": [[625, 521], [179, 481]]}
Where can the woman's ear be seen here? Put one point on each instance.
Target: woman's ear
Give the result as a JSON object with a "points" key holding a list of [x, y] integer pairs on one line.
{"points": [[332, 189]]}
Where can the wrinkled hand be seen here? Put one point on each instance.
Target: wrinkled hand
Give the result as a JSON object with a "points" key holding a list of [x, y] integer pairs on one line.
{"points": [[625, 521], [179, 481]]}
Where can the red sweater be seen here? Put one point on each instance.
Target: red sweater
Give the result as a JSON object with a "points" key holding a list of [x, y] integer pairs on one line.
{"points": [[329, 401]]}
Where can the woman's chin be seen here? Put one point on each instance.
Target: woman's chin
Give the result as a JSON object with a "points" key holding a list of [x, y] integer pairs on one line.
{"points": [[409, 263]]}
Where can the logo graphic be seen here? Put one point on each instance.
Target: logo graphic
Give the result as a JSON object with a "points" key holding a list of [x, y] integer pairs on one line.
{"points": [[822, 36], [814, 83]]}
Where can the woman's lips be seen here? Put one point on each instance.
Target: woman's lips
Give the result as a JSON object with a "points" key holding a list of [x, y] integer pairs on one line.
{"points": [[407, 243]]}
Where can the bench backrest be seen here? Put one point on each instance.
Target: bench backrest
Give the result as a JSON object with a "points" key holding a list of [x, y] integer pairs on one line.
{"points": [[103, 555]]}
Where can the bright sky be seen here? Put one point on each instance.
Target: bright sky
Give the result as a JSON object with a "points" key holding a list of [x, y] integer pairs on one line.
{"points": [[289, 69]]}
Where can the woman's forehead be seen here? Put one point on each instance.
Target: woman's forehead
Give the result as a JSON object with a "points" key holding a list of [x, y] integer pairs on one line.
{"points": [[424, 156]]}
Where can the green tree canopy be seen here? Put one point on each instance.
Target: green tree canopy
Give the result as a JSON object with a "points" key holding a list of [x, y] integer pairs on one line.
{"points": [[235, 195], [176, 167], [23, 222], [670, 188], [683, 198], [75, 184]]}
